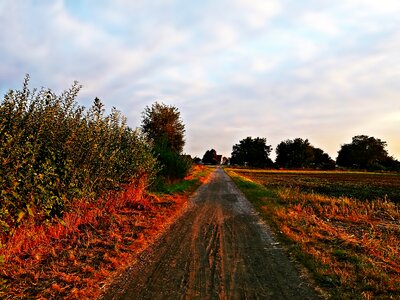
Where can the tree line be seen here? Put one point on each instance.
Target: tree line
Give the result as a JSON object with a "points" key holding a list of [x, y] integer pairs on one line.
{"points": [[364, 152]]}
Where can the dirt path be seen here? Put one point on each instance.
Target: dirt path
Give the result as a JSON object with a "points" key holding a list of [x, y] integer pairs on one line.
{"points": [[219, 249]]}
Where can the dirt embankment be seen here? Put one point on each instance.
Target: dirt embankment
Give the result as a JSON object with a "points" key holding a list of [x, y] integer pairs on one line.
{"points": [[219, 249]]}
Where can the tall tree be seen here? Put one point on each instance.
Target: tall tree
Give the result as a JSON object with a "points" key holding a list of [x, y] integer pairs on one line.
{"points": [[211, 157], [322, 160], [299, 153], [294, 153], [363, 152], [162, 124], [253, 152]]}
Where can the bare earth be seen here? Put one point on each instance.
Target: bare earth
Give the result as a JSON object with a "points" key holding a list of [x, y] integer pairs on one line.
{"points": [[218, 249]]}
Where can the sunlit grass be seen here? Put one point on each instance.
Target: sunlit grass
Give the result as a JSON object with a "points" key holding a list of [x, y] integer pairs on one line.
{"points": [[77, 255], [350, 245], [198, 175]]}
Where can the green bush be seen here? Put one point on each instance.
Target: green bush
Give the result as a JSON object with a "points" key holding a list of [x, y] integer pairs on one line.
{"points": [[173, 166], [52, 150]]}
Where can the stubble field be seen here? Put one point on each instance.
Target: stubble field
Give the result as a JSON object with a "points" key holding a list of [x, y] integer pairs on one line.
{"points": [[343, 226], [360, 185]]}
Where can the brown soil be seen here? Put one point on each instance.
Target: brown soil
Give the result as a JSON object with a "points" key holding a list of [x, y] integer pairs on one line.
{"points": [[218, 249]]}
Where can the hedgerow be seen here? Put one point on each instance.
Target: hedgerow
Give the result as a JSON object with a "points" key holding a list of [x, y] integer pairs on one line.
{"points": [[53, 150]]}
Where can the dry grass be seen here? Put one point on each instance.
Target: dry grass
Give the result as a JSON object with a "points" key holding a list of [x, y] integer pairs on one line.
{"points": [[356, 243], [77, 256], [352, 246]]}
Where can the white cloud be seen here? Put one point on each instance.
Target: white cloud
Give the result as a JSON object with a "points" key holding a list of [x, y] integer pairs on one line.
{"points": [[258, 13], [263, 64], [368, 7], [225, 35], [306, 49], [321, 22]]}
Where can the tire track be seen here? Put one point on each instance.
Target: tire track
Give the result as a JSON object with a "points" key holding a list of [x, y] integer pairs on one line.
{"points": [[219, 249]]}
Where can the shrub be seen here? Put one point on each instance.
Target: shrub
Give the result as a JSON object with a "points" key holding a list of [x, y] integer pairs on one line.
{"points": [[173, 166], [52, 150]]}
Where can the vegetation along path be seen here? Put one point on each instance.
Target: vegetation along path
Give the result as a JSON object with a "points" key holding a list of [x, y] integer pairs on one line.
{"points": [[219, 248]]}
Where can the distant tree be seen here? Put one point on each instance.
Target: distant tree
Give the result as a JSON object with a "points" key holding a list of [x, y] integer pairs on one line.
{"points": [[364, 152], [322, 160], [253, 152], [392, 164], [211, 157], [163, 126], [294, 153], [197, 160], [299, 153]]}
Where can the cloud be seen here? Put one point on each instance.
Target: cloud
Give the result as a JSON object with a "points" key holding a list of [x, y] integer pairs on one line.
{"points": [[321, 22], [368, 7], [275, 69], [258, 13]]}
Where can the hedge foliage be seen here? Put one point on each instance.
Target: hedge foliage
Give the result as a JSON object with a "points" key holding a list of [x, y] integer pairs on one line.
{"points": [[52, 150], [173, 166]]}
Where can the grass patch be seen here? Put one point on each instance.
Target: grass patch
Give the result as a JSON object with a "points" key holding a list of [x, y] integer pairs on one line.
{"points": [[350, 245], [256, 193], [178, 187], [190, 183]]}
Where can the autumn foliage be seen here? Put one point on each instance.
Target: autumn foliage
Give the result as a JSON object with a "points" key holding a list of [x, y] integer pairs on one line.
{"points": [[77, 256], [75, 206], [52, 150]]}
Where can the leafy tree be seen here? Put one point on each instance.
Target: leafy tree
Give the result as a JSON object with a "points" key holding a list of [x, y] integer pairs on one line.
{"points": [[162, 125], [322, 160], [253, 152], [392, 164], [174, 166], [299, 153], [295, 153], [364, 152], [197, 160], [211, 157]]}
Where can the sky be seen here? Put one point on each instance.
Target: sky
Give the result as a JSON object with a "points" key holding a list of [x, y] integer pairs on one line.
{"points": [[278, 69]]}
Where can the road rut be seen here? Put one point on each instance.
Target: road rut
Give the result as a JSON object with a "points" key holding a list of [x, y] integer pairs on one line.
{"points": [[219, 249]]}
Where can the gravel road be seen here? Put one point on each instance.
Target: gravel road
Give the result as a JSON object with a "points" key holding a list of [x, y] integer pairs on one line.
{"points": [[218, 249]]}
